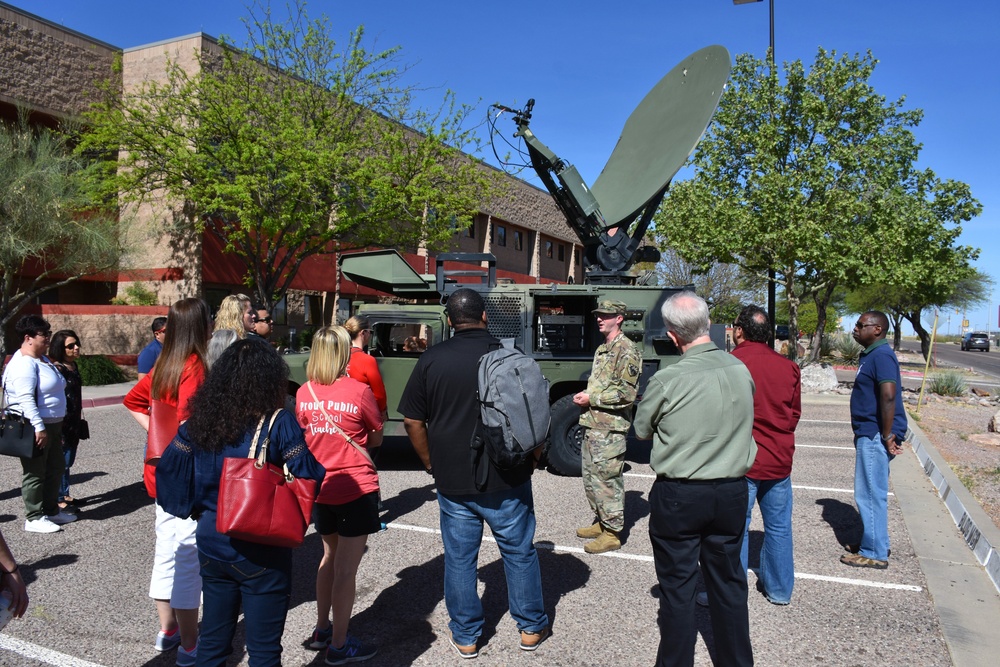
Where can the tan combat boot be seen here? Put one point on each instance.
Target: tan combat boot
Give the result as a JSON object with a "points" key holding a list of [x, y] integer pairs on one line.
{"points": [[606, 541], [590, 532]]}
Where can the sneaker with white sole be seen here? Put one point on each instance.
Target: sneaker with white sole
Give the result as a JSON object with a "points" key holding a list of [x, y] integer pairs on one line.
{"points": [[319, 639], [62, 517], [42, 525], [165, 642], [186, 658]]}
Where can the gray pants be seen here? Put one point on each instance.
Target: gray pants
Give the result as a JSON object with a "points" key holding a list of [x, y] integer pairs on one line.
{"points": [[42, 475]]}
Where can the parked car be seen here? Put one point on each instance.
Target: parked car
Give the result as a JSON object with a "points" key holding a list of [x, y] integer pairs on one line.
{"points": [[976, 340], [781, 332]]}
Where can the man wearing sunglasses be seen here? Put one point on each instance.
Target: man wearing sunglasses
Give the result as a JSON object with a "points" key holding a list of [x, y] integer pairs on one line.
{"points": [[150, 353], [879, 424], [262, 324]]}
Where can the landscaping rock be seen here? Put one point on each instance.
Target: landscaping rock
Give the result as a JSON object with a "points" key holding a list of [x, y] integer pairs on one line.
{"points": [[818, 377], [994, 425]]}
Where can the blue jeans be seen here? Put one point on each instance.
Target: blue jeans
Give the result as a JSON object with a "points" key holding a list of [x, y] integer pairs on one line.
{"points": [[871, 495], [510, 514], [264, 593], [69, 452], [777, 565]]}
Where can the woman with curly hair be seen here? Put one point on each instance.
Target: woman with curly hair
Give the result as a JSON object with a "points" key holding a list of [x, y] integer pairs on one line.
{"points": [[236, 313], [247, 384], [175, 583], [342, 422], [64, 351]]}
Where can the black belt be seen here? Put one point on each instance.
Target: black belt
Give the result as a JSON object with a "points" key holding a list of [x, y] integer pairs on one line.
{"points": [[678, 480]]}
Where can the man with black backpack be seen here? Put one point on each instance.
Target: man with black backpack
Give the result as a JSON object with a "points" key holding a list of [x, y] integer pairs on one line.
{"points": [[611, 391], [441, 413]]}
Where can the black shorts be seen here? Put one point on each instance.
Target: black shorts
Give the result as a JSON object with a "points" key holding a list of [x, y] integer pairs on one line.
{"points": [[354, 519]]}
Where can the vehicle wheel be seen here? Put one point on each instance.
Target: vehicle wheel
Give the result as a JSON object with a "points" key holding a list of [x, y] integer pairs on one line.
{"points": [[565, 438]]}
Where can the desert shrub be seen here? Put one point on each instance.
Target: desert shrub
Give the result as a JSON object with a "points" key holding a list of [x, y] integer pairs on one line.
{"points": [[98, 369], [826, 345], [948, 383], [848, 349], [136, 294]]}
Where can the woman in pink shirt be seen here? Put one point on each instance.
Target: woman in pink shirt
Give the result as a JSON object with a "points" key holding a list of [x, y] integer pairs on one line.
{"points": [[342, 422]]}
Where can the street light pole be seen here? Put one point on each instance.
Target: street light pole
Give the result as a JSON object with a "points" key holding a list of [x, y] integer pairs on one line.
{"points": [[771, 291]]}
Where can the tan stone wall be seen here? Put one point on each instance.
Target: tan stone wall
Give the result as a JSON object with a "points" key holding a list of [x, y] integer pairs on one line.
{"points": [[106, 329], [51, 69], [152, 244]]}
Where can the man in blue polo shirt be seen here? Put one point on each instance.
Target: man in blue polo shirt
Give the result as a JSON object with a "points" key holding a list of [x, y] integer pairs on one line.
{"points": [[150, 353], [879, 424]]}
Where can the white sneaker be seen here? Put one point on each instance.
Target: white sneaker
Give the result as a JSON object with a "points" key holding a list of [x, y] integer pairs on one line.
{"points": [[62, 517], [42, 525]]}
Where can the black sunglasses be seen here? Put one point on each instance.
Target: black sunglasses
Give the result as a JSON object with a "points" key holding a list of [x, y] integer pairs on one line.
{"points": [[72, 345], [262, 319]]}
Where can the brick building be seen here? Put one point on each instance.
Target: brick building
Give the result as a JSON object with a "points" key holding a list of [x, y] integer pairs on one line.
{"points": [[54, 73]]}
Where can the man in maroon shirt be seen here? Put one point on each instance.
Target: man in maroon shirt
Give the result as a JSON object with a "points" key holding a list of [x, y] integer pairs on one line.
{"points": [[777, 406]]}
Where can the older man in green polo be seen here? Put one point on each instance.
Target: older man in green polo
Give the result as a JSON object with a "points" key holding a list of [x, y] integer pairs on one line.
{"points": [[607, 415]]}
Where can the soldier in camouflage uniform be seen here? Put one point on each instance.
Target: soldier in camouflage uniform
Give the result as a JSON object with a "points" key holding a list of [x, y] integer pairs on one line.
{"points": [[611, 391]]}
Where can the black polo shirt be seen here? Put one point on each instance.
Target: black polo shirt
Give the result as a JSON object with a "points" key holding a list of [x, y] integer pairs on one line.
{"points": [[442, 391]]}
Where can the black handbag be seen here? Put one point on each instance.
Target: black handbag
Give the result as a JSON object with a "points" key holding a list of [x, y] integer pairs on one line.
{"points": [[83, 430], [17, 435]]}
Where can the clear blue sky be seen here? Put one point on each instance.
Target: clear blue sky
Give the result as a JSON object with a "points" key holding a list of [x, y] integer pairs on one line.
{"points": [[588, 63]]}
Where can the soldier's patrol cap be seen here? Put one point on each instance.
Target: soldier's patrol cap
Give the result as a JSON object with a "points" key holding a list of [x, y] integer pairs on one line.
{"points": [[610, 307]]}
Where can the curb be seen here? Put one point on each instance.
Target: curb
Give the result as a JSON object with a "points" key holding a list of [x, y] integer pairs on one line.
{"points": [[102, 401], [977, 529]]}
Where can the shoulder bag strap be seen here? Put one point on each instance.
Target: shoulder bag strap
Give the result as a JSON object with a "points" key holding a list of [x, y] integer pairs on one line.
{"points": [[262, 456], [337, 428]]}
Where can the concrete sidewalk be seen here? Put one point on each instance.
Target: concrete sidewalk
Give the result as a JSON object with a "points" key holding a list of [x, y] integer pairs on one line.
{"points": [[105, 394], [953, 541]]}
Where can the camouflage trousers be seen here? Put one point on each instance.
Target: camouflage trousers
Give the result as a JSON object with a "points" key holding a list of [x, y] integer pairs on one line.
{"points": [[603, 461]]}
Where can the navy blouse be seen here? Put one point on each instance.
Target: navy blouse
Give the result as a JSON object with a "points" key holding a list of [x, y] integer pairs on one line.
{"points": [[187, 484]]}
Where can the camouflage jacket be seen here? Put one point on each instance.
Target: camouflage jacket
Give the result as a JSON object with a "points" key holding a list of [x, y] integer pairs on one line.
{"points": [[613, 385]]}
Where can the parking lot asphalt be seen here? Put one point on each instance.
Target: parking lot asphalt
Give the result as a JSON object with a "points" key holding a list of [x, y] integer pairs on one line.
{"points": [[933, 606]]}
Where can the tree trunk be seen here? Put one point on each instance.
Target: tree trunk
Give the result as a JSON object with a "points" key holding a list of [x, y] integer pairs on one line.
{"points": [[793, 318], [822, 300], [913, 318], [897, 329]]}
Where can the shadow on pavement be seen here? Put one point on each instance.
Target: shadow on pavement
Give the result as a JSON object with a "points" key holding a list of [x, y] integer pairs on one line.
{"points": [[843, 518]]}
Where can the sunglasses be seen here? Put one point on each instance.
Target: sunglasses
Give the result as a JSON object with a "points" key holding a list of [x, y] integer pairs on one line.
{"points": [[72, 345], [267, 320]]}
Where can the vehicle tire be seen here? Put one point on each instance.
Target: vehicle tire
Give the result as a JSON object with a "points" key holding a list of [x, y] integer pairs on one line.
{"points": [[565, 438]]}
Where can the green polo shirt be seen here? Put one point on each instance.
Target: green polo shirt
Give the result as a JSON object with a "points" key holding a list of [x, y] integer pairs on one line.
{"points": [[699, 412]]}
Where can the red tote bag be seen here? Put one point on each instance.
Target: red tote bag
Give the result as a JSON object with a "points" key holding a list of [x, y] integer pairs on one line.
{"points": [[260, 502], [163, 425]]}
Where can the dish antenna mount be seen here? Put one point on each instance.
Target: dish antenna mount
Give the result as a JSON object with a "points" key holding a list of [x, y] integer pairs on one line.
{"points": [[612, 216]]}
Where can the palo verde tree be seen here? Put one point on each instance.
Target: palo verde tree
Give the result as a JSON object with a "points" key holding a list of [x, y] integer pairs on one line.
{"points": [[726, 287], [812, 178], [291, 145], [52, 232]]}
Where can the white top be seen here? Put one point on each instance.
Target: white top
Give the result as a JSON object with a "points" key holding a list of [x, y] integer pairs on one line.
{"points": [[36, 388]]}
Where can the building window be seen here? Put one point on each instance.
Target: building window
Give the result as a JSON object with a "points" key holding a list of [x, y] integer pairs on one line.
{"points": [[313, 309], [470, 231], [518, 240], [501, 235], [548, 249], [279, 313], [562, 253]]}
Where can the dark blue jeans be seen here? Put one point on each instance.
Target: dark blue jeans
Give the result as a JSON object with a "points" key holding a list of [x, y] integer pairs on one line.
{"points": [[264, 594]]}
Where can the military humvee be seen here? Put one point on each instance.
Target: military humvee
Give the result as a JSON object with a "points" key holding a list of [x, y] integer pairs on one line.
{"points": [[553, 322]]}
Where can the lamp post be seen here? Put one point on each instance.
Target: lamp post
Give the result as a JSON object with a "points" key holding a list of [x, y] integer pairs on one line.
{"points": [[770, 272]]}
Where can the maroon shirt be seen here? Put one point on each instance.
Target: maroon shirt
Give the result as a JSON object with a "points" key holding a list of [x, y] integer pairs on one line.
{"points": [[777, 405]]}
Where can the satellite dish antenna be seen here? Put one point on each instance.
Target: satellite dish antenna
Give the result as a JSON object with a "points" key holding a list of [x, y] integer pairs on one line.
{"points": [[657, 139]]}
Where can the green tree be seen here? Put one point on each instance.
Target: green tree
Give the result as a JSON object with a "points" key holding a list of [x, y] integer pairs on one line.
{"points": [[960, 287], [52, 232], [292, 146], [813, 179]]}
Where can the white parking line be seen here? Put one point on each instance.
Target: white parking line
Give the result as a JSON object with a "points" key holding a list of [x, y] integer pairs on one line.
{"points": [[42, 654], [797, 446], [823, 421], [556, 548]]}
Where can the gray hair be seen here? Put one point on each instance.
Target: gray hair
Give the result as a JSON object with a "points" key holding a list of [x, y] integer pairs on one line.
{"points": [[686, 315], [217, 344]]}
